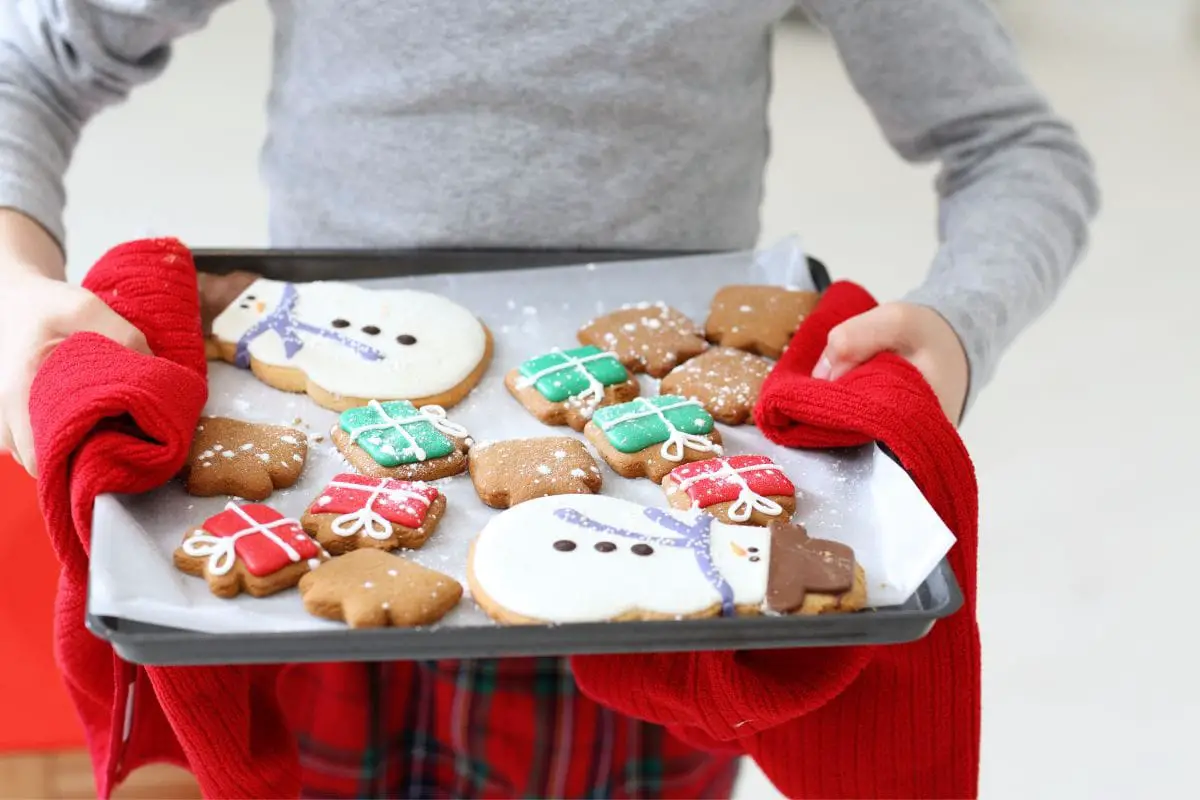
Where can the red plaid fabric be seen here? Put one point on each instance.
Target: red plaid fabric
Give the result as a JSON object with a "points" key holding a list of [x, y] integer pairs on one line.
{"points": [[456, 729]]}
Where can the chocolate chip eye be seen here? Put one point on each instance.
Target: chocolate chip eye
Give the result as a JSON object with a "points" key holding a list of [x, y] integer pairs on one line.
{"points": [[564, 545], [404, 338], [243, 305], [641, 549], [251, 297], [370, 330], [340, 323], [605, 547]]}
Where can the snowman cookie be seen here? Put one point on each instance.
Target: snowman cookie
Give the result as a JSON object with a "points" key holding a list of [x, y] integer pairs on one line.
{"points": [[249, 548], [650, 436], [354, 511], [592, 558], [398, 440], [740, 490], [345, 345], [565, 387]]}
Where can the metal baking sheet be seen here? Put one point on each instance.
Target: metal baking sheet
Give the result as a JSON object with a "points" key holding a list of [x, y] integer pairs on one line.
{"points": [[143, 530]]}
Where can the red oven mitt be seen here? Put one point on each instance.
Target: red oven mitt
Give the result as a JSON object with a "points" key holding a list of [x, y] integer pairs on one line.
{"points": [[105, 420], [884, 721]]}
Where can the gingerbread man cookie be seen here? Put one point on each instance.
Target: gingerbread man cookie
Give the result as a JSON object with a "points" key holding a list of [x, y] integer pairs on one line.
{"points": [[739, 490], [344, 345], [249, 548], [651, 436], [650, 337], [591, 558], [758, 319], [399, 440], [243, 459], [375, 589], [726, 381], [511, 472], [565, 387], [356, 511]]}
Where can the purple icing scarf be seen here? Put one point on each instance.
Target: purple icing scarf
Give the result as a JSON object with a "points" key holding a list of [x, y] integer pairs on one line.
{"points": [[696, 537], [283, 322]]}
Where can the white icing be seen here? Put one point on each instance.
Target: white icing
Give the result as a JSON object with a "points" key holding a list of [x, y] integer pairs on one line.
{"points": [[517, 566], [450, 340]]}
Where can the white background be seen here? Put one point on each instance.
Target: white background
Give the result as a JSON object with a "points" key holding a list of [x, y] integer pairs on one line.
{"points": [[1085, 443]]}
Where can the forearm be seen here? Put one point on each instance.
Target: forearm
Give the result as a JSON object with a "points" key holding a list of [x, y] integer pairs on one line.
{"points": [[1017, 189], [27, 248]]}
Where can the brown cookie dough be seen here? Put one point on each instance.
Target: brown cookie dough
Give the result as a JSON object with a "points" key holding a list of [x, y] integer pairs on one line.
{"points": [[725, 380], [248, 548], [243, 459], [374, 589], [650, 337], [356, 511], [511, 472], [758, 319]]}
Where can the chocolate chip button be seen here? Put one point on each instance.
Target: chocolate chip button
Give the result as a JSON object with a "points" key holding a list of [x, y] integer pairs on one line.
{"points": [[340, 323], [641, 549], [752, 549], [405, 338], [605, 547], [564, 545], [370, 330], [755, 558]]}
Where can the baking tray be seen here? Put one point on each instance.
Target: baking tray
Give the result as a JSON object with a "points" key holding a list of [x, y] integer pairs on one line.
{"points": [[137, 642]]}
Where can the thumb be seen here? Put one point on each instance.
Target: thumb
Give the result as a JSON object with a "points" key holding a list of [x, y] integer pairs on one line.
{"points": [[859, 339], [97, 317]]}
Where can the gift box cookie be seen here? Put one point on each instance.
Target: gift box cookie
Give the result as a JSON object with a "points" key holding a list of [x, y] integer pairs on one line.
{"points": [[739, 490], [648, 437], [565, 387], [357, 511], [399, 440]]}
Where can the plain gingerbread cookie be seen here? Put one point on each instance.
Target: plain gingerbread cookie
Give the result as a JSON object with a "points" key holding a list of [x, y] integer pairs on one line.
{"points": [[374, 589], [650, 337], [726, 381], [517, 470], [758, 319], [243, 459]]}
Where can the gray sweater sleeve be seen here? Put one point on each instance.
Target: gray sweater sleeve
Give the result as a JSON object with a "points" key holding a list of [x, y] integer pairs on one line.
{"points": [[1017, 190], [61, 62]]}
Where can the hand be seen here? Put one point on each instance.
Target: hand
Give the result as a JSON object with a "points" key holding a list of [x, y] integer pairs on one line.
{"points": [[44, 313], [916, 333]]}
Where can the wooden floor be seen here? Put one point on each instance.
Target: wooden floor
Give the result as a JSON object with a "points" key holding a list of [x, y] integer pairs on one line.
{"points": [[68, 776]]}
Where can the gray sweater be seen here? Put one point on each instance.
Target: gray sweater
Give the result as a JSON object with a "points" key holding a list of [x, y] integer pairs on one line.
{"points": [[582, 123]]}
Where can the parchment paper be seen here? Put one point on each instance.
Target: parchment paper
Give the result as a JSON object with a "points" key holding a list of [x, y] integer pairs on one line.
{"points": [[858, 497]]}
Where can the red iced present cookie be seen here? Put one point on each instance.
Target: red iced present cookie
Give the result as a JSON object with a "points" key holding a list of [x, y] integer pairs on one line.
{"points": [[249, 548], [741, 490], [355, 511]]}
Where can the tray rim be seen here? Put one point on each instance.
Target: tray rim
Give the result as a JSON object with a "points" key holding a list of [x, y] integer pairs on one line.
{"points": [[242, 648]]}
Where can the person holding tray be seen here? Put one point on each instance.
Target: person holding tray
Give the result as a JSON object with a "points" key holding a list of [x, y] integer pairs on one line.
{"points": [[576, 124]]}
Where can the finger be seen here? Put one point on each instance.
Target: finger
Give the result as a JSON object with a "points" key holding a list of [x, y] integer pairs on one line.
{"points": [[23, 448], [860, 338], [99, 318]]}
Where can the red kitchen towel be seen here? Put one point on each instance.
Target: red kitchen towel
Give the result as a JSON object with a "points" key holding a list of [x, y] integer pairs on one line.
{"points": [[110, 420], [895, 721]]}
